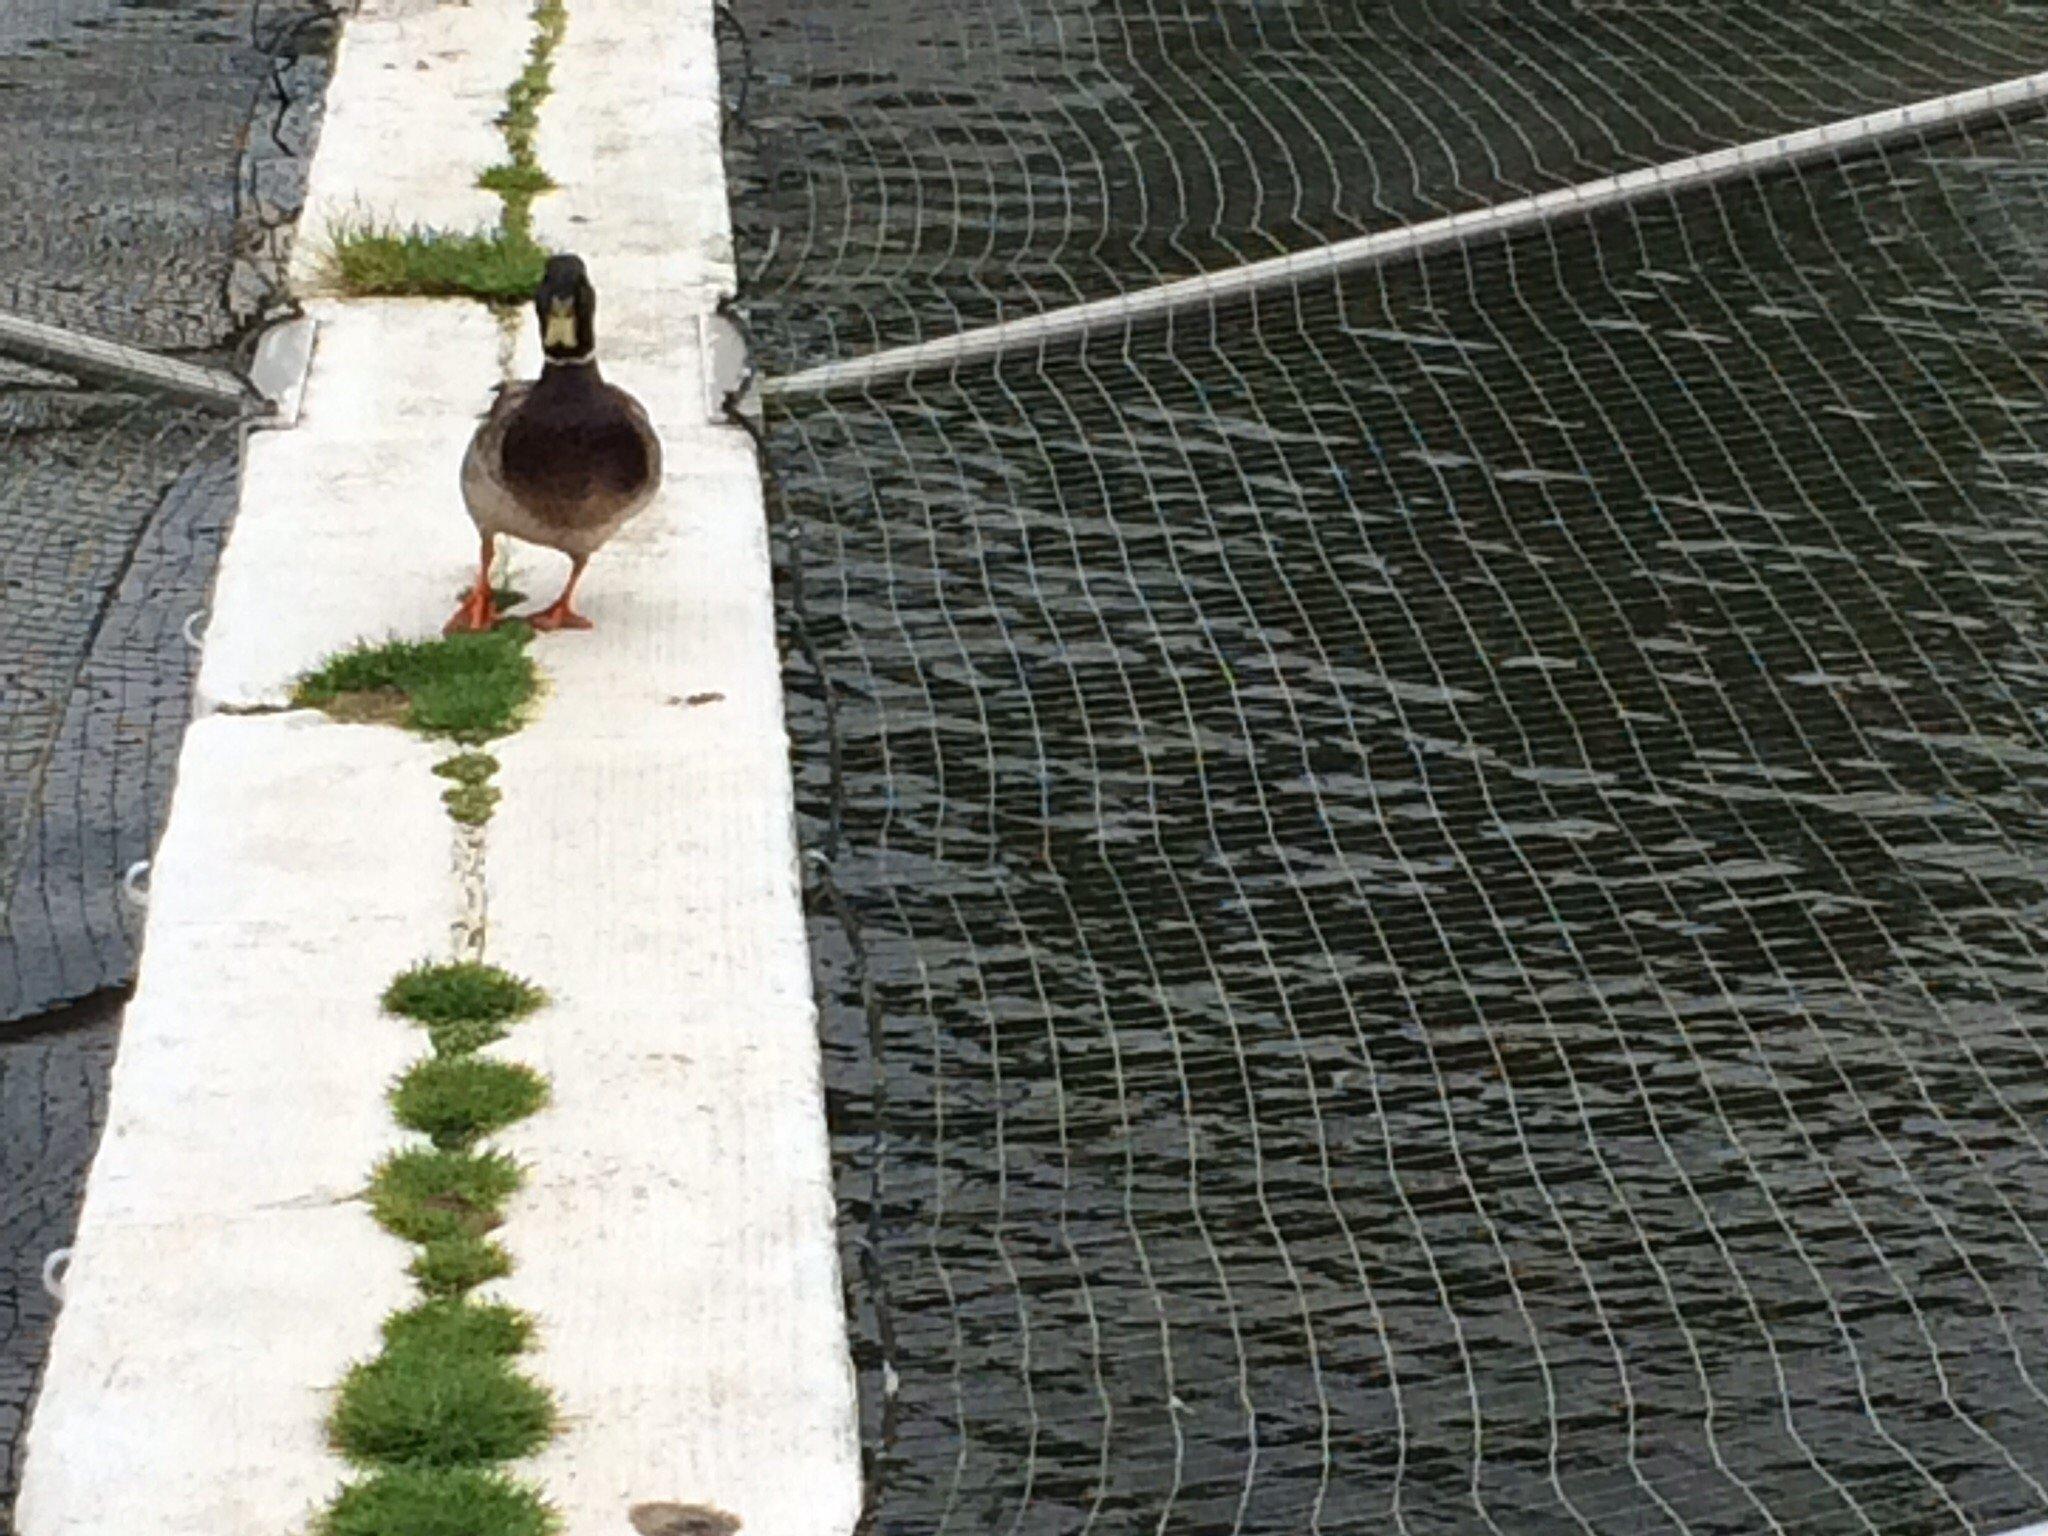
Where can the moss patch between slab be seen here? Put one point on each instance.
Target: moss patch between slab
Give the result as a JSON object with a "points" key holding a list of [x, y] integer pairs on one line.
{"points": [[455, 1266], [439, 1501], [471, 687], [426, 1194], [470, 804], [462, 992], [467, 768], [470, 796], [455, 1099], [430, 1408], [458, 1327], [519, 178], [463, 1037]]}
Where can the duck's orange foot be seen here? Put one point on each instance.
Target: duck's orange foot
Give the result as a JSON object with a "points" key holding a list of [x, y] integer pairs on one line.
{"points": [[478, 613], [559, 616]]}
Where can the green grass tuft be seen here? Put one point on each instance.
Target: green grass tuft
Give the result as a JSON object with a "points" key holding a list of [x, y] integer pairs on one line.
{"points": [[421, 1408], [520, 178], [468, 767], [455, 1100], [452, 1327], [461, 993], [511, 180], [471, 687], [470, 804], [438, 1501], [453, 1266], [520, 120], [427, 1195], [465, 1036], [501, 265], [471, 798]]}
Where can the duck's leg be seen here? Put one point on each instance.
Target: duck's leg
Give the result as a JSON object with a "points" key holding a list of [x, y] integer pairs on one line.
{"points": [[561, 613], [479, 610]]}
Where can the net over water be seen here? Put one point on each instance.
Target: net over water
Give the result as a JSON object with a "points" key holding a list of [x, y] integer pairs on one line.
{"points": [[1429, 889], [154, 154]]}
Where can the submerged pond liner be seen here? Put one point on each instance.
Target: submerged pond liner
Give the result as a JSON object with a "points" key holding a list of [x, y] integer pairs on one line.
{"points": [[1429, 890]]}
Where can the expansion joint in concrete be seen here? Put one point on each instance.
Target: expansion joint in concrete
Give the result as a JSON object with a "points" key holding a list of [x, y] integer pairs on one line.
{"points": [[471, 927]]}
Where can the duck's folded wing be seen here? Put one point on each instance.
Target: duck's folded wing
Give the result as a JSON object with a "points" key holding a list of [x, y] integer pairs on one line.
{"points": [[644, 430], [483, 484], [506, 397]]}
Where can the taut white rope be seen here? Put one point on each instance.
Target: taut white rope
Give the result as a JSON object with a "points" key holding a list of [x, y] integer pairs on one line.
{"points": [[1855, 135], [103, 361]]}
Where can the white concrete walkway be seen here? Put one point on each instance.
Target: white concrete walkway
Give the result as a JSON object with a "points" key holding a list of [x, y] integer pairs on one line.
{"points": [[676, 1240]]}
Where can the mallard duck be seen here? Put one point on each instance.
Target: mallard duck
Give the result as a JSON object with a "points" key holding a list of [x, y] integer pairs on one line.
{"points": [[563, 461]]}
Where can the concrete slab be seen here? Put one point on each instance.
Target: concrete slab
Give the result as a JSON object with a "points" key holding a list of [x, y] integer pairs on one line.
{"points": [[411, 120], [199, 1414], [351, 525], [677, 1236], [631, 136], [224, 1274], [309, 863]]}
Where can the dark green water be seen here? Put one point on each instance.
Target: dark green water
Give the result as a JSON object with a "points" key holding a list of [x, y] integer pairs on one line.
{"points": [[1429, 895]]}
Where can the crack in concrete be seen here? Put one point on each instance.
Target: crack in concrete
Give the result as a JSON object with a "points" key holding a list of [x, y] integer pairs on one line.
{"points": [[472, 922]]}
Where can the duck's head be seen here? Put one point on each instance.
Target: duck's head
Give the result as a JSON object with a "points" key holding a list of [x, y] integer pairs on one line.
{"points": [[567, 306]]}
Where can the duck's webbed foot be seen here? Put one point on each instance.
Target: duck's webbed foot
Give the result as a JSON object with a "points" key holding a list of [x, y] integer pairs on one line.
{"points": [[478, 613], [561, 613], [479, 610]]}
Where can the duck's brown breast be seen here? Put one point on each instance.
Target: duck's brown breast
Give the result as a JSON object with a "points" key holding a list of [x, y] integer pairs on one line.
{"points": [[579, 456]]}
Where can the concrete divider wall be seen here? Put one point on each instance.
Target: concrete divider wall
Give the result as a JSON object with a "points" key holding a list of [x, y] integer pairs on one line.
{"points": [[676, 1236]]}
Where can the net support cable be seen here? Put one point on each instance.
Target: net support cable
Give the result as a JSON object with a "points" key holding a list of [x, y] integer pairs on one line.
{"points": [[98, 360], [1850, 136]]}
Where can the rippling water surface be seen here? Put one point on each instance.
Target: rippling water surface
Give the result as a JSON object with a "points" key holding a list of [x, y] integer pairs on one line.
{"points": [[1429, 894]]}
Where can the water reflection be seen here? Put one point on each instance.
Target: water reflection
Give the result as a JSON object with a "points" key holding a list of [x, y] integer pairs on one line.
{"points": [[1435, 887]]}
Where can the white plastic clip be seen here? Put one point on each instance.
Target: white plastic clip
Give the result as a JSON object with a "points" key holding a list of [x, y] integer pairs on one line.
{"points": [[55, 1268]]}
